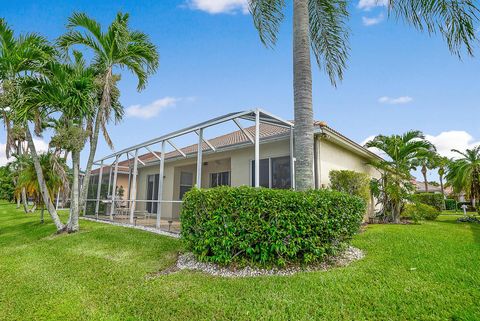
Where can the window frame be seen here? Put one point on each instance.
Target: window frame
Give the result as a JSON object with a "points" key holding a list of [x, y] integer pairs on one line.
{"points": [[270, 174], [229, 176]]}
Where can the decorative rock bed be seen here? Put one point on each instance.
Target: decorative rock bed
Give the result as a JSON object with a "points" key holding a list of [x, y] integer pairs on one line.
{"points": [[188, 261]]}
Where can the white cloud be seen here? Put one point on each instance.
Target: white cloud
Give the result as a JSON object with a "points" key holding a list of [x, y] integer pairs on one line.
{"points": [[219, 6], [40, 145], [395, 100], [372, 21], [152, 109], [370, 4], [453, 139]]}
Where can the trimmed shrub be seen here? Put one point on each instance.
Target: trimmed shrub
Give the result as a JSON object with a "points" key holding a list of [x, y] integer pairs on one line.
{"points": [[418, 212], [432, 199], [450, 204], [351, 182], [258, 226]]}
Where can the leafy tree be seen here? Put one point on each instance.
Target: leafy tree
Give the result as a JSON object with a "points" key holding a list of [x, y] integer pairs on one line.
{"points": [[402, 153], [117, 47], [321, 26], [28, 178], [464, 173], [7, 187]]}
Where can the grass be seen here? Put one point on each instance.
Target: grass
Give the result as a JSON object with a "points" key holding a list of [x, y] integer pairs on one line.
{"points": [[424, 272]]}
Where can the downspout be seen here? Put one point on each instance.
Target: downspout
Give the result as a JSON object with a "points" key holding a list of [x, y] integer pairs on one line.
{"points": [[315, 161]]}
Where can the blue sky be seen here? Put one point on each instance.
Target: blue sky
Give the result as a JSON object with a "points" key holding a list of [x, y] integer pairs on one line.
{"points": [[212, 63]]}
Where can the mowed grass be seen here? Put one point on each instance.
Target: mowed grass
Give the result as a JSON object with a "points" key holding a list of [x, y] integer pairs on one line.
{"points": [[411, 272]]}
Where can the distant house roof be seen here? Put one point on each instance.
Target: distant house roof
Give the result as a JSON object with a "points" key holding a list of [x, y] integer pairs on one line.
{"points": [[237, 138]]}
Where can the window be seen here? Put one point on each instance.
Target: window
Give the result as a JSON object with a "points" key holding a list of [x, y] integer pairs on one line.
{"points": [[219, 179], [281, 177], [152, 192], [186, 183], [274, 172]]}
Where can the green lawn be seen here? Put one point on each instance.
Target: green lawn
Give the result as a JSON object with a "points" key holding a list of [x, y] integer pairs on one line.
{"points": [[425, 272]]}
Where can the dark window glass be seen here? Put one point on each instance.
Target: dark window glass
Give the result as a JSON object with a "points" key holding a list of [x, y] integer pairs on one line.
{"points": [[152, 192], [281, 172], [264, 172], [186, 183], [220, 179]]}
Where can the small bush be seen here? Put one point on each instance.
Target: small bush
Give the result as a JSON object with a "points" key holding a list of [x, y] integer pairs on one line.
{"points": [[258, 226], [432, 199], [418, 212], [351, 182], [450, 204]]}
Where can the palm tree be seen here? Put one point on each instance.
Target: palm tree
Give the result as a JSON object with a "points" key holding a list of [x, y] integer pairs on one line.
{"points": [[70, 90], [20, 57], [322, 26], [17, 57], [464, 173], [441, 163], [402, 153], [426, 161], [118, 46], [28, 180]]}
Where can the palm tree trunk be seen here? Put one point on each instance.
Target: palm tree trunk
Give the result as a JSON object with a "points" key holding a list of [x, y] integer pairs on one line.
{"points": [[91, 158], [18, 202], [104, 103], [24, 200], [302, 92], [424, 173], [442, 189], [74, 202], [41, 214], [41, 182], [23, 192]]}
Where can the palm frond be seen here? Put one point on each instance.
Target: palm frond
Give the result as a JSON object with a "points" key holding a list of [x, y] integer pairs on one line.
{"points": [[267, 16], [329, 35], [455, 20]]}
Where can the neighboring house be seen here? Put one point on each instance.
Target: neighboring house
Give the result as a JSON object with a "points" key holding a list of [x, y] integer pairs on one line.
{"points": [[230, 160], [420, 188]]}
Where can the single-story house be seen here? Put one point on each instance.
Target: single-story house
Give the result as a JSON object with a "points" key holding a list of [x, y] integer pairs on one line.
{"points": [[224, 160]]}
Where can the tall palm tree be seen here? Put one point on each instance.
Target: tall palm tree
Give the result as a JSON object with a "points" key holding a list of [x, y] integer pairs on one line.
{"points": [[426, 161], [441, 163], [464, 173], [70, 90], [23, 56], [402, 152], [17, 56], [321, 25], [118, 46]]}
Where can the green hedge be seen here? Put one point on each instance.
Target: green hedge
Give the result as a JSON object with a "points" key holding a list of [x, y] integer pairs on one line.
{"points": [[432, 199], [351, 182], [267, 227], [419, 211], [450, 204]]}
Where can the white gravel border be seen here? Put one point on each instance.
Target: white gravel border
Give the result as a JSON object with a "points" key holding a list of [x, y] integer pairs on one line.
{"points": [[137, 227], [188, 261]]}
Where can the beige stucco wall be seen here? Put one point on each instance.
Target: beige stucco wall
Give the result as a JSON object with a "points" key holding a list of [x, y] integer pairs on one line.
{"points": [[332, 156]]}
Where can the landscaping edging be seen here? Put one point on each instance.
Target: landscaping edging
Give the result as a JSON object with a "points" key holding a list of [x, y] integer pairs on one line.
{"points": [[187, 261]]}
